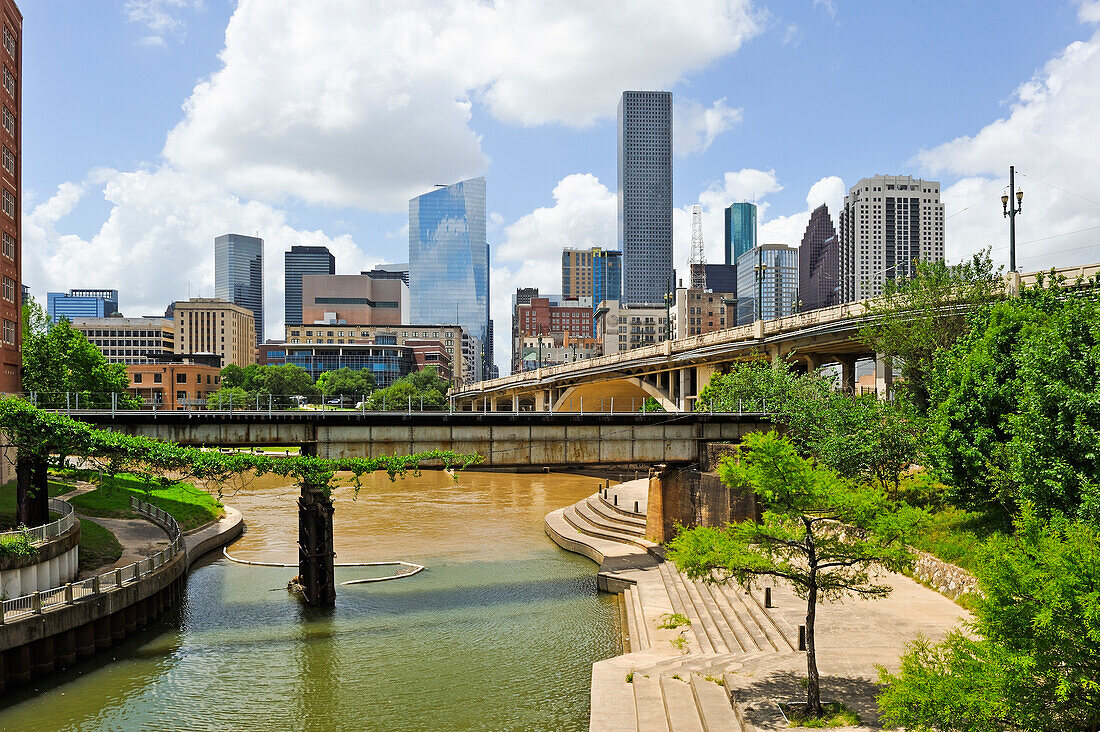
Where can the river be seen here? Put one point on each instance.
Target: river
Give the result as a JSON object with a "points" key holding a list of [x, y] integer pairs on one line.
{"points": [[498, 633]]}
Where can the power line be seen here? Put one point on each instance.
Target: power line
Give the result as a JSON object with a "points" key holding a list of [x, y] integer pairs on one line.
{"points": [[983, 200], [1059, 188]]}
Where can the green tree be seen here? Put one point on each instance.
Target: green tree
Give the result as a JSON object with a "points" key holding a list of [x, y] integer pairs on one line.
{"points": [[1031, 658], [230, 397], [58, 359], [282, 380], [920, 316], [651, 405], [346, 382], [802, 537], [423, 387], [760, 387]]}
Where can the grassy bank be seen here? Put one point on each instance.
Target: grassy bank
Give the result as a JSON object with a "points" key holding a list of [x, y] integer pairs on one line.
{"points": [[7, 501], [98, 546], [190, 506]]}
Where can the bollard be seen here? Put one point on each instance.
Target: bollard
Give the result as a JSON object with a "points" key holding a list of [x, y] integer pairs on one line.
{"points": [[36, 603], [802, 637], [95, 585], [118, 577], [1, 612], [636, 507], [68, 593], [616, 499], [767, 597]]}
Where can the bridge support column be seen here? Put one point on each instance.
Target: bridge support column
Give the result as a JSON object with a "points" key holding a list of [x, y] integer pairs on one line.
{"points": [[493, 402], [316, 571], [884, 375], [685, 387], [540, 401], [848, 374]]}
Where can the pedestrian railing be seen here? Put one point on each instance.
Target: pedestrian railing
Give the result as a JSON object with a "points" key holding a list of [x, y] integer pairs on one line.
{"points": [[36, 603], [47, 532]]}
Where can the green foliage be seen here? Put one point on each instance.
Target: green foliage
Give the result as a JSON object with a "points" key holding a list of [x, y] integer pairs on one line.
{"points": [[760, 387], [58, 359], [346, 382], [230, 397], [1015, 411], [190, 506], [8, 497], [651, 405], [804, 536], [918, 317], [423, 385], [834, 714], [18, 545], [672, 621], [1032, 657], [98, 546], [285, 380]]}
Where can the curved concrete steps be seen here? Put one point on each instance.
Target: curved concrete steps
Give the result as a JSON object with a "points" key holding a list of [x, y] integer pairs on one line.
{"points": [[599, 506]]}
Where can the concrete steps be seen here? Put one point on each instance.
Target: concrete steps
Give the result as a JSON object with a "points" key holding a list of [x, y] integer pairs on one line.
{"points": [[597, 505], [627, 511], [578, 521], [602, 521]]}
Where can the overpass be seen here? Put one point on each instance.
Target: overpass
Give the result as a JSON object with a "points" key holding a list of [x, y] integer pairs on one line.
{"points": [[673, 372], [505, 440]]}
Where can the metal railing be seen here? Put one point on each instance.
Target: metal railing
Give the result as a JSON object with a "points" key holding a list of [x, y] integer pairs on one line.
{"points": [[46, 532], [36, 603]]}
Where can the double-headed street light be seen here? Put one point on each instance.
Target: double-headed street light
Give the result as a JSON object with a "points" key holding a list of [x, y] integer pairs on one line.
{"points": [[1011, 208]]}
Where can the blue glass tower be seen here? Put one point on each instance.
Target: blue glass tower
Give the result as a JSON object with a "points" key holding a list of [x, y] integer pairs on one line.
{"points": [[740, 230], [449, 260], [81, 304], [607, 275], [239, 274]]}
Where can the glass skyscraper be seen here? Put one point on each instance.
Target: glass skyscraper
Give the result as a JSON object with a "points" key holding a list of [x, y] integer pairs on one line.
{"points": [[645, 196], [607, 275], [740, 230], [449, 260], [81, 304], [303, 260], [239, 274], [767, 283]]}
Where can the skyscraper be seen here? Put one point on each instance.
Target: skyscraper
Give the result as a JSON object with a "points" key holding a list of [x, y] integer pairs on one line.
{"points": [[239, 275], [303, 260], [767, 283], [645, 195], [11, 188], [449, 260], [740, 230], [819, 263], [889, 223], [81, 304], [596, 273]]}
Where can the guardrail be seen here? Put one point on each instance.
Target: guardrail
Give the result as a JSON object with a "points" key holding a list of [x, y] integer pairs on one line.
{"points": [[68, 594], [52, 530]]}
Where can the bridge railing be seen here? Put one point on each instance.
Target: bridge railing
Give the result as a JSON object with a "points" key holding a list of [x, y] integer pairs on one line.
{"points": [[35, 603], [46, 532]]}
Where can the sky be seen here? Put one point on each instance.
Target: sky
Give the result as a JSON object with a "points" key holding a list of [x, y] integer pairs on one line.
{"points": [[152, 126]]}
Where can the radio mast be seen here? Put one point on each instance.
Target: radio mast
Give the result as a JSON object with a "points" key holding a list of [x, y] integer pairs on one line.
{"points": [[698, 261]]}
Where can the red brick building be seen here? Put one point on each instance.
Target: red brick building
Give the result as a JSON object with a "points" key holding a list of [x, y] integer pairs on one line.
{"points": [[11, 166]]}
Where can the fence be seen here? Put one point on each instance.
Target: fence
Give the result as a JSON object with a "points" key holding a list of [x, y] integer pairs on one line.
{"points": [[45, 532], [73, 592]]}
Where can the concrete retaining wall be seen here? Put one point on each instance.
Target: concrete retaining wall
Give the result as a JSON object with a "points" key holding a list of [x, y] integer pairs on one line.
{"points": [[692, 498], [55, 565]]}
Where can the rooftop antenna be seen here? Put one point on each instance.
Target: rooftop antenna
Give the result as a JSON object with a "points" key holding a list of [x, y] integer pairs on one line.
{"points": [[698, 261]]}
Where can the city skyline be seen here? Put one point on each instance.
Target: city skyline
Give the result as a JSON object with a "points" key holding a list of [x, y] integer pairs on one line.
{"points": [[548, 152]]}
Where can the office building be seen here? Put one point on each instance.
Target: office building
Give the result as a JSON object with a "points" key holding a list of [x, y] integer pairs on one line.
{"points": [[449, 260], [767, 283], [298, 262], [702, 311], [645, 196], [621, 327], [391, 271], [129, 340], [387, 362], [819, 263], [547, 316], [11, 199], [596, 273], [174, 383], [721, 277], [81, 304], [740, 231], [889, 223], [540, 351], [353, 299], [239, 275], [210, 325]]}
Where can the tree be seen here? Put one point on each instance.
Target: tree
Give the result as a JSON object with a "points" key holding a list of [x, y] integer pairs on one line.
{"points": [[347, 382], [759, 387], [282, 381], [920, 316], [59, 360], [229, 397], [1031, 658], [423, 387], [805, 536]]}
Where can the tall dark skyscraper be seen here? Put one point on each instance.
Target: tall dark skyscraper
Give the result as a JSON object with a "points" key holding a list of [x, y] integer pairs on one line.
{"points": [[303, 260], [819, 262], [740, 230], [645, 195], [239, 274]]}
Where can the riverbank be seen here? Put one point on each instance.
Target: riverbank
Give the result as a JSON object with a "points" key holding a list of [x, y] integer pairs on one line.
{"points": [[699, 656]]}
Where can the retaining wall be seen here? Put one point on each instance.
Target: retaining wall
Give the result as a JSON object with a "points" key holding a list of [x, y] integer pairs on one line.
{"points": [[54, 565]]}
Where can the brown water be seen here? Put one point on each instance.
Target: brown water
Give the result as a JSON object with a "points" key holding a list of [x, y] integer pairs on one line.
{"points": [[498, 633]]}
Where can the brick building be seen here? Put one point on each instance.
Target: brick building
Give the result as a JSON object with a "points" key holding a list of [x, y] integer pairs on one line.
{"points": [[181, 384], [11, 167]]}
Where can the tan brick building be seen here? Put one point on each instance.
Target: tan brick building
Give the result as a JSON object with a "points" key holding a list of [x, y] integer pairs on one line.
{"points": [[174, 386], [208, 325]]}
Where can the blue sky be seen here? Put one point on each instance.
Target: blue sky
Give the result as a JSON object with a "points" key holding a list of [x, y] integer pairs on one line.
{"points": [[152, 125]]}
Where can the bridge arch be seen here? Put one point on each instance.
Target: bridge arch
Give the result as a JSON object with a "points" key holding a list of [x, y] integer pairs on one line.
{"points": [[626, 394]]}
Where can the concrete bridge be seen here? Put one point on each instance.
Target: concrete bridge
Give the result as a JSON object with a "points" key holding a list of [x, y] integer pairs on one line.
{"points": [[504, 440], [673, 372]]}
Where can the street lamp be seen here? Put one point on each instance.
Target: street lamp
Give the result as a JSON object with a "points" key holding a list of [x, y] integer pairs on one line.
{"points": [[1010, 210]]}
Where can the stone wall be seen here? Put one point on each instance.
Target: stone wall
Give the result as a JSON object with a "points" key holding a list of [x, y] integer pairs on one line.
{"points": [[688, 497], [944, 578]]}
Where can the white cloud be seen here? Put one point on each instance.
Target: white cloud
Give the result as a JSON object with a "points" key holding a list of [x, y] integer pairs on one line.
{"points": [[366, 104], [157, 242], [1050, 136], [160, 17], [1089, 12], [696, 126]]}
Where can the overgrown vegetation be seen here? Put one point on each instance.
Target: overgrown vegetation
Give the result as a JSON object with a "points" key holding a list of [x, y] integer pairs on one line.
{"points": [[190, 506], [17, 545]]}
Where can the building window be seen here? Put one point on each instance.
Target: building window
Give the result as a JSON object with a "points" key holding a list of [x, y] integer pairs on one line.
{"points": [[181, 396], [9, 83], [137, 378], [9, 160], [9, 331], [8, 203], [9, 42], [181, 378], [9, 289]]}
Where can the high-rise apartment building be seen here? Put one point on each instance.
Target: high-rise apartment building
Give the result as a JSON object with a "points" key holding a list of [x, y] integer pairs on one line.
{"points": [[211, 325], [299, 261], [596, 273], [11, 187], [702, 311], [767, 283], [239, 275], [740, 230], [359, 299], [622, 327], [129, 340], [645, 195], [819, 263], [449, 260], [81, 304], [889, 223]]}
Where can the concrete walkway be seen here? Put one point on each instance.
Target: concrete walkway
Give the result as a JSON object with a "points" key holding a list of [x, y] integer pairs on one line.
{"points": [[728, 667]]}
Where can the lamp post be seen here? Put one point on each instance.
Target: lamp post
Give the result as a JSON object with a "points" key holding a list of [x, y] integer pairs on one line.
{"points": [[1011, 208]]}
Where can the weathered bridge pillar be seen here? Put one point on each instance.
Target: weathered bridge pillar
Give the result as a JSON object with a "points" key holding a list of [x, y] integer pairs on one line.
{"points": [[316, 568], [32, 491], [848, 373], [884, 375]]}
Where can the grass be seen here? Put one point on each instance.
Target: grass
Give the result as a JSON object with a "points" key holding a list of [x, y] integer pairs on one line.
{"points": [[835, 715], [7, 501], [672, 621], [98, 546], [190, 506]]}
